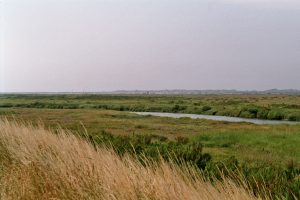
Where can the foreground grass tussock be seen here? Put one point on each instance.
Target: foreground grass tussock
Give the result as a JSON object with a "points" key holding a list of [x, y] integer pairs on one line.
{"points": [[36, 164]]}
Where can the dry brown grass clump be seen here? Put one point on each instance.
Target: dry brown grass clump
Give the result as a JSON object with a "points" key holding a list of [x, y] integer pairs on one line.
{"points": [[37, 164]]}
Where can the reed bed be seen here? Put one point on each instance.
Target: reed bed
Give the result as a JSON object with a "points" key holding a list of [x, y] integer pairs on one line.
{"points": [[39, 164]]}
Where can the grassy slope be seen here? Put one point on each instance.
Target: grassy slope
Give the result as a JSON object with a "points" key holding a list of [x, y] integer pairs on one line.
{"points": [[36, 164], [248, 142]]}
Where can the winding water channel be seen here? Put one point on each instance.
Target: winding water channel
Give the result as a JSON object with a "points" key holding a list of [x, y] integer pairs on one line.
{"points": [[216, 118]]}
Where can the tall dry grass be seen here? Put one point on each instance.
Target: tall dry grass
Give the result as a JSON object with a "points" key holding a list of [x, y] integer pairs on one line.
{"points": [[37, 164]]}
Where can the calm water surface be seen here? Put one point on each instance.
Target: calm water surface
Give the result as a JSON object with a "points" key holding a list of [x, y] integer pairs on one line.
{"points": [[216, 118]]}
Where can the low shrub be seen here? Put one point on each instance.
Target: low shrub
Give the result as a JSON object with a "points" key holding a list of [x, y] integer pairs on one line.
{"points": [[155, 147], [293, 117], [177, 108], [275, 115], [206, 108], [262, 113], [277, 181], [6, 105], [247, 114]]}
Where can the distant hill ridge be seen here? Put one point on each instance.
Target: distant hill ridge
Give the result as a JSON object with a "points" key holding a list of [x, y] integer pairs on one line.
{"points": [[175, 92], [182, 91]]}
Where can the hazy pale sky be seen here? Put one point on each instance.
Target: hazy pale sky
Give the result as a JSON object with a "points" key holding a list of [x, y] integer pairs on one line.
{"points": [[102, 45]]}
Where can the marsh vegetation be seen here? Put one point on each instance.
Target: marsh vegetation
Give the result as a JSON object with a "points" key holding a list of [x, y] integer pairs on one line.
{"points": [[281, 107], [265, 157]]}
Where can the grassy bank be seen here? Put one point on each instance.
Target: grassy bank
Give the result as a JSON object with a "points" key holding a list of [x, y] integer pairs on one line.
{"points": [[37, 164], [279, 107]]}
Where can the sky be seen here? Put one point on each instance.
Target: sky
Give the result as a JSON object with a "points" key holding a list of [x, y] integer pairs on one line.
{"points": [[105, 45]]}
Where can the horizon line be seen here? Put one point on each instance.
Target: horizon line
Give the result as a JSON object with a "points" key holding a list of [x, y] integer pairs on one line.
{"points": [[151, 90]]}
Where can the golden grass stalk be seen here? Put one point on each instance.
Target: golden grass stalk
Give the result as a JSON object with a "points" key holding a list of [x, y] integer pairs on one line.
{"points": [[37, 164]]}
